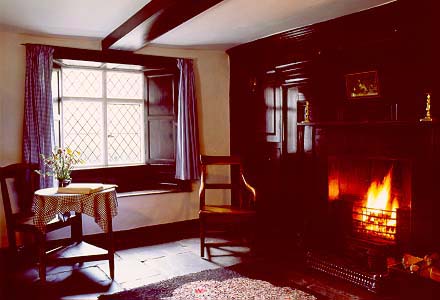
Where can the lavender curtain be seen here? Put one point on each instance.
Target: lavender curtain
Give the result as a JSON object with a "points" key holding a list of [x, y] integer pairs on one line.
{"points": [[38, 113], [187, 152]]}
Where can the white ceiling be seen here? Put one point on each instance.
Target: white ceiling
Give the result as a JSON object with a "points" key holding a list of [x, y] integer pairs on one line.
{"points": [[83, 18], [229, 23]]}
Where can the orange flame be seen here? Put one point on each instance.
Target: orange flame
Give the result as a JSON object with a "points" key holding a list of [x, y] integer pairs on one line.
{"points": [[379, 215], [379, 194]]}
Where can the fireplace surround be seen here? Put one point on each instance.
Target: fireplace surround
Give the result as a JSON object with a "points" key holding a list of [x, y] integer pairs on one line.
{"points": [[376, 193], [368, 238], [358, 243]]}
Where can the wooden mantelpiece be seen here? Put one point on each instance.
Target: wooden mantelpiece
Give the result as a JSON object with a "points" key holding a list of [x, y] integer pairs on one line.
{"points": [[368, 123], [417, 140]]}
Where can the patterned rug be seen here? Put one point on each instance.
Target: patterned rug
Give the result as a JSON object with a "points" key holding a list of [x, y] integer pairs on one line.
{"points": [[217, 284]]}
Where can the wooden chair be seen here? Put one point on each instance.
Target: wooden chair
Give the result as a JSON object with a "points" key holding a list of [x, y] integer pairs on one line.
{"points": [[240, 210], [25, 180]]}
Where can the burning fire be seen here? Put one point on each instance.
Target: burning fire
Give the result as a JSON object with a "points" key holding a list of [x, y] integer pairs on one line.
{"points": [[379, 217], [379, 194]]}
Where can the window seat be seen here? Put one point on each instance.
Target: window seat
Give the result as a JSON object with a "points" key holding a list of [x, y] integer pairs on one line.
{"points": [[149, 192]]}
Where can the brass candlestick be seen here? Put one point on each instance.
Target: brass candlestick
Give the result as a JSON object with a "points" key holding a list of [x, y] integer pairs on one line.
{"points": [[427, 117], [307, 112]]}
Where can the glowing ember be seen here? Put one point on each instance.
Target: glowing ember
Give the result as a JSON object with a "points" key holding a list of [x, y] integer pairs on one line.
{"points": [[378, 216], [333, 189]]}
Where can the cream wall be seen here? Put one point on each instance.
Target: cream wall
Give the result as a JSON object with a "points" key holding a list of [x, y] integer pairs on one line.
{"points": [[212, 87]]}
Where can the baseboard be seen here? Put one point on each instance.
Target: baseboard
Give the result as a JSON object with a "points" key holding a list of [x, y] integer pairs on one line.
{"points": [[148, 235], [158, 233]]}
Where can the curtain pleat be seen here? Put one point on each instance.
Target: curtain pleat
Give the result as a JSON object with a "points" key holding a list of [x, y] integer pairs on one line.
{"points": [[38, 114], [187, 152]]}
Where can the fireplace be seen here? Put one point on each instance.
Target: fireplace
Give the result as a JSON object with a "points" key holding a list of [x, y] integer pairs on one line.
{"points": [[369, 213], [375, 194]]}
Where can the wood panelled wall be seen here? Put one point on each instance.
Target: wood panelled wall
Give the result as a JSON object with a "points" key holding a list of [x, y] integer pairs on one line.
{"points": [[398, 40]]}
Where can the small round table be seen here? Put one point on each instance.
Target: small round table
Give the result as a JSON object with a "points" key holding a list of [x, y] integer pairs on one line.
{"points": [[102, 206]]}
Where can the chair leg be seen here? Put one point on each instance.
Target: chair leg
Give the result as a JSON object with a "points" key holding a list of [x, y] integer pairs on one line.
{"points": [[202, 237], [12, 241], [112, 267], [76, 231], [42, 257]]}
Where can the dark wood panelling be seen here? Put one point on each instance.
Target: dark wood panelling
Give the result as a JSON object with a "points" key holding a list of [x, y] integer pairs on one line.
{"points": [[398, 41]]}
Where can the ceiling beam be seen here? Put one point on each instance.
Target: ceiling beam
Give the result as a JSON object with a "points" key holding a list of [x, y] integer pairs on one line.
{"points": [[153, 20]]}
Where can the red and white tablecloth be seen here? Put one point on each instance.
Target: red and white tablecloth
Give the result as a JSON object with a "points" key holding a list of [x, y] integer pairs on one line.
{"points": [[48, 203]]}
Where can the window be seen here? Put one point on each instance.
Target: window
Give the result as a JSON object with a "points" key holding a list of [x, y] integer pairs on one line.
{"points": [[102, 115], [117, 118]]}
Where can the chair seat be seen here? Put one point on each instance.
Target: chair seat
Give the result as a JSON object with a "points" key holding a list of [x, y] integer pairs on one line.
{"points": [[226, 209], [21, 220]]}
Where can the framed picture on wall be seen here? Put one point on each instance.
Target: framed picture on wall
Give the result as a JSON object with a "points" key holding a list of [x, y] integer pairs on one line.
{"points": [[362, 85]]}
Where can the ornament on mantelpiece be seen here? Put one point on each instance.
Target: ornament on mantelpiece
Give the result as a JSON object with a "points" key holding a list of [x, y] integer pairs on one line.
{"points": [[427, 117], [253, 84], [306, 112]]}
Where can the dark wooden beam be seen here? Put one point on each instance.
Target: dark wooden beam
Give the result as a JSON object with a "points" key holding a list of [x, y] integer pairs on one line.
{"points": [[116, 56], [153, 20]]}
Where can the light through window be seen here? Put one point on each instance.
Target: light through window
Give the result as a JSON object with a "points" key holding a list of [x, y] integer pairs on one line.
{"points": [[102, 115]]}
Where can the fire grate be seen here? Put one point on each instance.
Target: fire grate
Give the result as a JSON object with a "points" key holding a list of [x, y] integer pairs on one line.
{"points": [[374, 223], [374, 282]]}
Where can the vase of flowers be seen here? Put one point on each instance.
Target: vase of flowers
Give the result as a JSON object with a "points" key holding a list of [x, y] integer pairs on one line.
{"points": [[60, 164]]}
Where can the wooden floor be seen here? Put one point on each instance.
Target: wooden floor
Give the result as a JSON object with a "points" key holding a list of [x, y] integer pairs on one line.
{"points": [[148, 264]]}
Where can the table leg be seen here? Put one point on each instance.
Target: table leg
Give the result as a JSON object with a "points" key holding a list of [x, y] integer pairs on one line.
{"points": [[111, 246]]}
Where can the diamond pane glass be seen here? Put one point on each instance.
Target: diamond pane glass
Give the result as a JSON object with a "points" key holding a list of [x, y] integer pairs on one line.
{"points": [[82, 83], [124, 132], [83, 129], [125, 85]]}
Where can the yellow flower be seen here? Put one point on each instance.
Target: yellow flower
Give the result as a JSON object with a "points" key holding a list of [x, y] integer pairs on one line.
{"points": [[60, 163]]}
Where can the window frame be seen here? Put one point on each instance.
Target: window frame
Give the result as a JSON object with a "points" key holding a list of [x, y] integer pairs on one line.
{"points": [[105, 102], [153, 175]]}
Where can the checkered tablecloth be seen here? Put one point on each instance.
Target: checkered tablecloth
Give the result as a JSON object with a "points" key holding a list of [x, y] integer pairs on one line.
{"points": [[47, 204]]}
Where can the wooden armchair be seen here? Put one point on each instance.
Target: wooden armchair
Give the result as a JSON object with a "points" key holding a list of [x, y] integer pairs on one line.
{"points": [[25, 180], [240, 210]]}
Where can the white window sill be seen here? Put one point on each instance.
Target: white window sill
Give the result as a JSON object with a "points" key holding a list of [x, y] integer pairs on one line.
{"points": [[147, 192]]}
